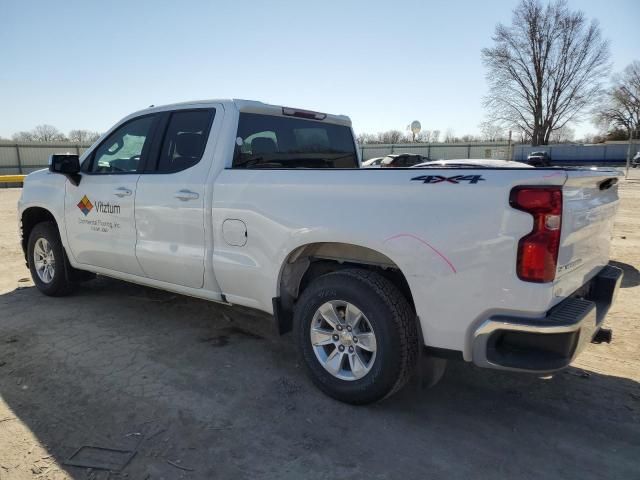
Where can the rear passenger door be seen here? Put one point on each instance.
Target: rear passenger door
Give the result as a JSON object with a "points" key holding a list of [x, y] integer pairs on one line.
{"points": [[170, 198]]}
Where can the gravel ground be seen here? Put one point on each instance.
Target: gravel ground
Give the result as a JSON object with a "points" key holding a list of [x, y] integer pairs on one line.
{"points": [[200, 390]]}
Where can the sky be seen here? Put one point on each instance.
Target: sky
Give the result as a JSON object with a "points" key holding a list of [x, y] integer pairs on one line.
{"points": [[86, 64]]}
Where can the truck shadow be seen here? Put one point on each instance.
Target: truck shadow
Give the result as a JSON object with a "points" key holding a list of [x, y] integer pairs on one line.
{"points": [[631, 276], [199, 390]]}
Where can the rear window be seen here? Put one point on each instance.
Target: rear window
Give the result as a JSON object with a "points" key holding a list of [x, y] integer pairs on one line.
{"points": [[266, 141]]}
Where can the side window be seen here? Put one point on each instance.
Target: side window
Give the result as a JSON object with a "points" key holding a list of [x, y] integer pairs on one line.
{"points": [[185, 140], [121, 151]]}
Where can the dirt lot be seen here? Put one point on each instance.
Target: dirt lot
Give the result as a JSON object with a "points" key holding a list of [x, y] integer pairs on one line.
{"points": [[184, 383]]}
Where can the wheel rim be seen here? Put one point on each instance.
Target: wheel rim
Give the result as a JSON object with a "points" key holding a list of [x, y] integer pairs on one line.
{"points": [[343, 340], [44, 260]]}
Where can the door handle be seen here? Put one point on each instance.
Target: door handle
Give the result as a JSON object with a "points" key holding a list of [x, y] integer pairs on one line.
{"points": [[185, 195], [122, 192]]}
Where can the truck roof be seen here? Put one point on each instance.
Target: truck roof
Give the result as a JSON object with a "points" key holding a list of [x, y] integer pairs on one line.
{"points": [[248, 106]]}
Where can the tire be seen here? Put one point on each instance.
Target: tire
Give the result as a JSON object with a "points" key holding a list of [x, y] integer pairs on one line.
{"points": [[385, 313], [44, 238]]}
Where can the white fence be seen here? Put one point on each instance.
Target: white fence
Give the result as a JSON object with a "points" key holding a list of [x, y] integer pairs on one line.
{"points": [[17, 158]]}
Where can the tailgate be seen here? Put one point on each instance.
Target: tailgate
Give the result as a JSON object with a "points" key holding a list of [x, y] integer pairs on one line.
{"points": [[590, 200]]}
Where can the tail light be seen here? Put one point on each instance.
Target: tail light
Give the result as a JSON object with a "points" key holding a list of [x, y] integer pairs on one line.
{"points": [[538, 250]]}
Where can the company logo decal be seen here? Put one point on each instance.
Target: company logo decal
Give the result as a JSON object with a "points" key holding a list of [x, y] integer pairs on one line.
{"points": [[99, 223], [85, 205], [456, 179]]}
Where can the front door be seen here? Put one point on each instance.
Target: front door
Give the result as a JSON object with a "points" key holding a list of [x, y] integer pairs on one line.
{"points": [[99, 212]]}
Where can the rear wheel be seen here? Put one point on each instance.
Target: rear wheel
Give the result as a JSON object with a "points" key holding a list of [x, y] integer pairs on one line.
{"points": [[357, 335], [47, 260]]}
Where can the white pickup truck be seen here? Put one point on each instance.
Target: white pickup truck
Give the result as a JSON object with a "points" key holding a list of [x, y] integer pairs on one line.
{"points": [[375, 270]]}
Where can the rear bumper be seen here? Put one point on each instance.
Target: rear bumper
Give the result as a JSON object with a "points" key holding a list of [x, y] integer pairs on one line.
{"points": [[551, 343]]}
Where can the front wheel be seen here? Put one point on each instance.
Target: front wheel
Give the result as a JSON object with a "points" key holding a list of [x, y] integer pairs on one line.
{"points": [[357, 335], [47, 261]]}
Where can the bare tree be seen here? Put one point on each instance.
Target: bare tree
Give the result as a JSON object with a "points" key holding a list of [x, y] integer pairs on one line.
{"points": [[468, 138], [545, 68], [23, 136], [449, 136], [520, 136], [590, 138], [47, 133], [83, 136], [428, 136], [424, 136], [390, 136], [492, 131], [620, 109], [363, 138], [396, 136], [563, 134]]}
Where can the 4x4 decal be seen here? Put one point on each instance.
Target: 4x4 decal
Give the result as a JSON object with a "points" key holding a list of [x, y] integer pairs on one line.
{"points": [[455, 179]]}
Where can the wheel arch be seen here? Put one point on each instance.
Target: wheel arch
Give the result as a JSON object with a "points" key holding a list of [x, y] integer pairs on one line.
{"points": [[309, 261], [29, 218]]}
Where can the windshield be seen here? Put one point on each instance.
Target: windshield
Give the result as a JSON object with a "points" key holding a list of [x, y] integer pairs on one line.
{"points": [[267, 141]]}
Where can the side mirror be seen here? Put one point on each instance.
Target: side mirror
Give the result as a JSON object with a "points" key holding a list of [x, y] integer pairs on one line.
{"points": [[66, 164]]}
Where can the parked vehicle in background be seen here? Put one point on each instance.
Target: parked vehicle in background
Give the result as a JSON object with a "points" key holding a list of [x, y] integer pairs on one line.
{"points": [[539, 159], [258, 205], [472, 162], [402, 160], [372, 162], [635, 161]]}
